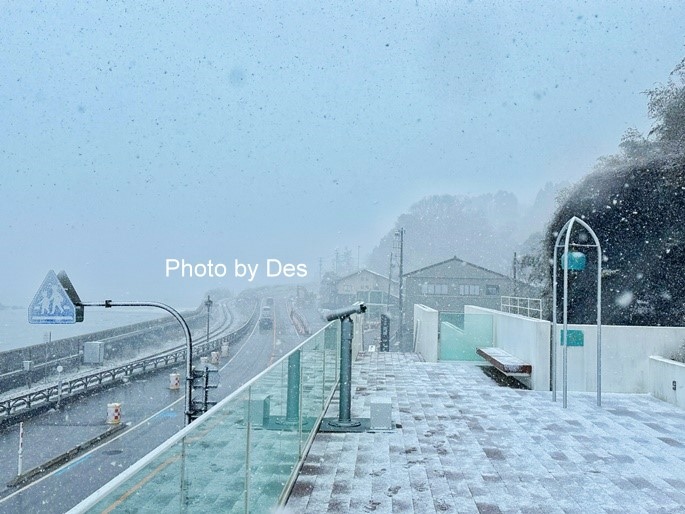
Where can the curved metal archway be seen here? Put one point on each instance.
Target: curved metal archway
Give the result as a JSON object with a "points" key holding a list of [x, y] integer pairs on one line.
{"points": [[566, 232]]}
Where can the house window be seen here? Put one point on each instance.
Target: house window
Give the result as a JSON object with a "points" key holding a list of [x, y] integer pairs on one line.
{"points": [[469, 290], [376, 297], [492, 289], [427, 288]]}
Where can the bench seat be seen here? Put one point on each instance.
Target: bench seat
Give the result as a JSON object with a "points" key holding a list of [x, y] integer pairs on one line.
{"points": [[505, 362]]}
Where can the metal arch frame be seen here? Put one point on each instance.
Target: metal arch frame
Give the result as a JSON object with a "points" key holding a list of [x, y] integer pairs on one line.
{"points": [[566, 230]]}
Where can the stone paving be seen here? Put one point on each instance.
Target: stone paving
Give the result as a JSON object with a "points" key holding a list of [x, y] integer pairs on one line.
{"points": [[465, 444]]}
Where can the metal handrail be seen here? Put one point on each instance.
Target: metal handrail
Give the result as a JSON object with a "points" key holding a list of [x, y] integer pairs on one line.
{"points": [[522, 306]]}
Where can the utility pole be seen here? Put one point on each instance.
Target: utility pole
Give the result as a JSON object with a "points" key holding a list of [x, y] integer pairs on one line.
{"points": [[399, 242], [515, 282], [387, 300]]}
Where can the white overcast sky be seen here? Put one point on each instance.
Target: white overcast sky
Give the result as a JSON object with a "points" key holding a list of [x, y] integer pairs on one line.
{"points": [[132, 132]]}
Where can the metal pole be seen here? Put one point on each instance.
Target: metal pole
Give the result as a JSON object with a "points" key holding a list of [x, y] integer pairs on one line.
{"points": [[20, 463], [565, 358], [205, 392], [515, 282], [292, 409], [599, 323], [344, 412], [208, 304], [48, 338], [387, 300], [400, 328], [189, 413], [554, 322], [59, 385]]}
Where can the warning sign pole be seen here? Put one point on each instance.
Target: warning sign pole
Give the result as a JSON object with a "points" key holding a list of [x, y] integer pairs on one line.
{"points": [[20, 463]]}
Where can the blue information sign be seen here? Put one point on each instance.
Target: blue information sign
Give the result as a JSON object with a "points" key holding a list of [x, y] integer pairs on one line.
{"points": [[574, 337]]}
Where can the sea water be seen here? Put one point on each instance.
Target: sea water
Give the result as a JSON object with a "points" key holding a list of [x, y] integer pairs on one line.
{"points": [[17, 332]]}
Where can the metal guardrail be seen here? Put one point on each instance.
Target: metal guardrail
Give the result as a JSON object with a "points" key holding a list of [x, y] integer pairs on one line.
{"points": [[111, 335], [531, 307], [21, 404]]}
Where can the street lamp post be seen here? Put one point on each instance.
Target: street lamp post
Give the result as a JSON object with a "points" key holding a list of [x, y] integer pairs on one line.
{"points": [[208, 304], [190, 413]]}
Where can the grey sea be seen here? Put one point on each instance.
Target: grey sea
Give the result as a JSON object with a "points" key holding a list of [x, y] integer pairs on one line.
{"points": [[17, 332]]}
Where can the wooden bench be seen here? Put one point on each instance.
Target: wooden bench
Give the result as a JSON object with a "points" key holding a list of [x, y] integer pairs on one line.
{"points": [[505, 362]]}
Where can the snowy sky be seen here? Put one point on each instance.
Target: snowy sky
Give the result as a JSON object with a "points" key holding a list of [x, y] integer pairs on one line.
{"points": [[135, 132]]}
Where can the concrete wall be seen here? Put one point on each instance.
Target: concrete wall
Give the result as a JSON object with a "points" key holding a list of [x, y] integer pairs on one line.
{"points": [[625, 357], [525, 338], [662, 373], [426, 332], [626, 352]]}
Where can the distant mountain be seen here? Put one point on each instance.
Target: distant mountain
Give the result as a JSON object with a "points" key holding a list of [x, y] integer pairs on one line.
{"points": [[485, 230]]}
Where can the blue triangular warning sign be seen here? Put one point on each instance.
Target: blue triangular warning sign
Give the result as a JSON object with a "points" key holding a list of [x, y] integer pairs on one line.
{"points": [[53, 304]]}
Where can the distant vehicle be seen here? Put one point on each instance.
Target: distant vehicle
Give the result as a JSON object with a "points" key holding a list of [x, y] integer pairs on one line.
{"points": [[266, 318], [269, 301]]}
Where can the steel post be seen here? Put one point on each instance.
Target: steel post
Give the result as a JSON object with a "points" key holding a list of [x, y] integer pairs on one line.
{"points": [[189, 413], [292, 412], [347, 330]]}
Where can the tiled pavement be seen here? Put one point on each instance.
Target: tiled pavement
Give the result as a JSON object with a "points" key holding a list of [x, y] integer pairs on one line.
{"points": [[468, 445]]}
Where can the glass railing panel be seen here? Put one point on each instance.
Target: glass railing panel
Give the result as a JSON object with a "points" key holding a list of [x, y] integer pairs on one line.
{"points": [[274, 446], [461, 334], [331, 335], [313, 385], [205, 467], [241, 455], [215, 460]]}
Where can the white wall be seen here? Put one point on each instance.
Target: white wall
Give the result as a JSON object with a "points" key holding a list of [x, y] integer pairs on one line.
{"points": [[625, 357], [625, 352], [426, 332], [662, 373], [523, 337]]}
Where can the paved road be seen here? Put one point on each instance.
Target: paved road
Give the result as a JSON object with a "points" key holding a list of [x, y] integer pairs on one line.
{"points": [[153, 414]]}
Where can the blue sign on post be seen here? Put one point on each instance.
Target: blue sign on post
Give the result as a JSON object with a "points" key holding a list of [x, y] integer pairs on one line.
{"points": [[54, 301], [574, 338]]}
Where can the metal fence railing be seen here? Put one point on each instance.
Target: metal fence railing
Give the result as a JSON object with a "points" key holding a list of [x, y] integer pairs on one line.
{"points": [[531, 307]]}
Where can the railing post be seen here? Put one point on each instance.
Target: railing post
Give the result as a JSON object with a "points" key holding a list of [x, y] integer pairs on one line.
{"points": [[292, 412]]}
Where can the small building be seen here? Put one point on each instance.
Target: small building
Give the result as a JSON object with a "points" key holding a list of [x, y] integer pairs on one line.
{"points": [[451, 284], [369, 287]]}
